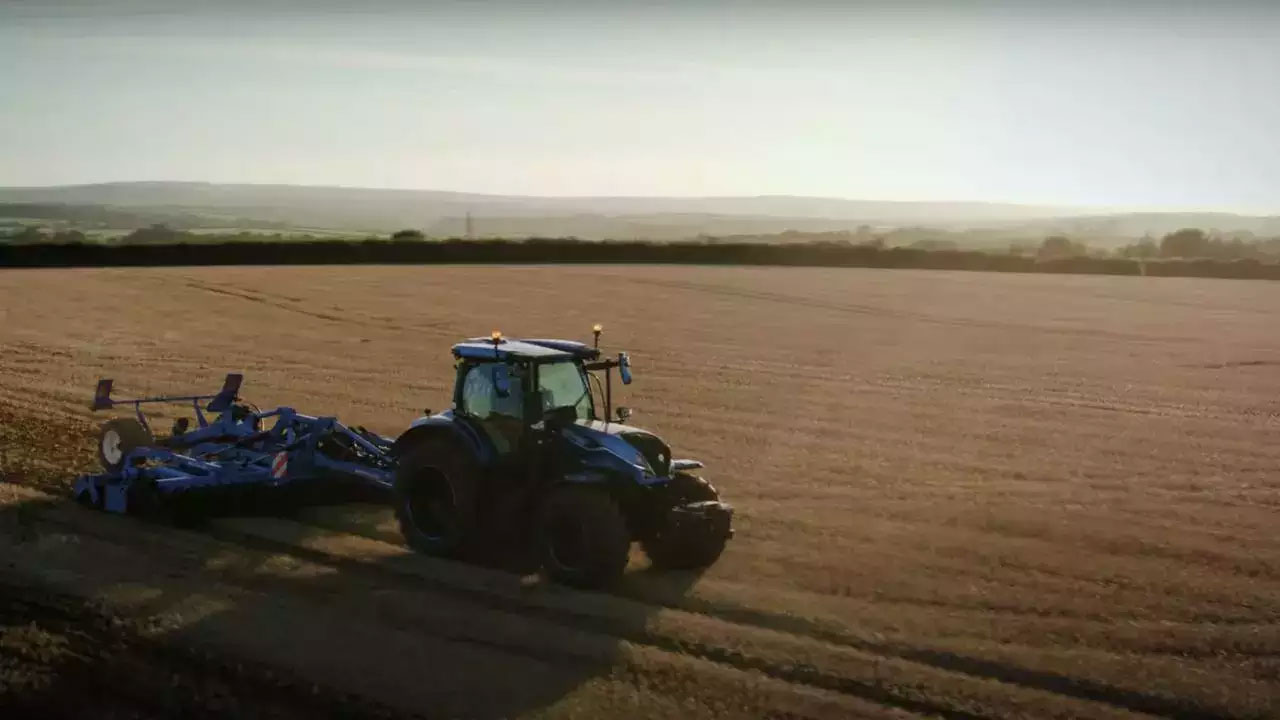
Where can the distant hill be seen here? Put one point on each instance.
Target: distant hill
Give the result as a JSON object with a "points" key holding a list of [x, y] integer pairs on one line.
{"points": [[366, 210]]}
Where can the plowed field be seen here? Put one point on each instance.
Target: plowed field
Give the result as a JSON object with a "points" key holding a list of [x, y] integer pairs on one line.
{"points": [[959, 495]]}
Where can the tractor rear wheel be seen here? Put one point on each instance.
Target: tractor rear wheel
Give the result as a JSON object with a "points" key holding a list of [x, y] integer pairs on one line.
{"points": [[435, 497], [582, 537], [675, 551], [118, 438]]}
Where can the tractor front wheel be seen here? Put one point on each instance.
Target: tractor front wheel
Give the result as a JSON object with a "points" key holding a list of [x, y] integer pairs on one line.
{"points": [[118, 438], [668, 547], [582, 537]]}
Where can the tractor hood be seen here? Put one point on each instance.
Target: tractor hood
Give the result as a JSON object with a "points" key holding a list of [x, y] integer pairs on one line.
{"points": [[640, 449], [610, 428]]}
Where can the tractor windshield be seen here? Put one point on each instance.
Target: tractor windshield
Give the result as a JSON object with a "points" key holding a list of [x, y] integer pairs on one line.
{"points": [[564, 384]]}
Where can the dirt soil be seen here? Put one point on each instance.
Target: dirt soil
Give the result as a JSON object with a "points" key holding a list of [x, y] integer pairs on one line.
{"points": [[959, 495]]}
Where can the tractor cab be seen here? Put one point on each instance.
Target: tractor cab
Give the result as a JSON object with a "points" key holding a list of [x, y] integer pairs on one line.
{"points": [[509, 388]]}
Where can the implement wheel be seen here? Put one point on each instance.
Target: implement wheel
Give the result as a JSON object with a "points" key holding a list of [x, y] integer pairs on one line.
{"points": [[435, 497], [118, 438], [582, 537]]}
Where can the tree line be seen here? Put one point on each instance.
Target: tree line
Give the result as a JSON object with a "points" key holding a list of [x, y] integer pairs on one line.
{"points": [[1186, 244], [154, 246]]}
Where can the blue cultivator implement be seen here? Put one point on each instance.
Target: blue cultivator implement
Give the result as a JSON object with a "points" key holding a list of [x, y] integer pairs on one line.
{"points": [[241, 449]]}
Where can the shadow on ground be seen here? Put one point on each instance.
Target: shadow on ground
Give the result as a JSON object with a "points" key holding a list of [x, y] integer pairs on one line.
{"points": [[283, 620]]}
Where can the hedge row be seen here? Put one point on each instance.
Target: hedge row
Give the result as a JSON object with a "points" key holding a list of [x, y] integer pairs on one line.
{"points": [[539, 250]]}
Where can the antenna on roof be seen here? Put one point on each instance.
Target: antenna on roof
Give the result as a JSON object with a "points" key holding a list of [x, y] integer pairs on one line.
{"points": [[595, 330]]}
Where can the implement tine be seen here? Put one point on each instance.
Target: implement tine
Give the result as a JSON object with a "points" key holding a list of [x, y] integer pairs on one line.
{"points": [[102, 395]]}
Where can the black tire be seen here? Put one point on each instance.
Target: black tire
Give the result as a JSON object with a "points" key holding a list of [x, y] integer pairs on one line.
{"points": [[119, 437], [435, 496], [145, 502], [582, 538], [669, 551]]}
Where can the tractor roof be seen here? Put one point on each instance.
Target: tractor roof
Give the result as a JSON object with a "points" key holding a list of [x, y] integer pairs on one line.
{"points": [[483, 348]]}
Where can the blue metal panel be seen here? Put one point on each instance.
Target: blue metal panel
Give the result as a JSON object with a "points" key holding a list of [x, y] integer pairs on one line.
{"points": [[600, 448], [116, 499], [383, 478]]}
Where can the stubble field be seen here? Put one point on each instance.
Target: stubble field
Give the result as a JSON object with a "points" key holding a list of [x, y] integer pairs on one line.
{"points": [[958, 494]]}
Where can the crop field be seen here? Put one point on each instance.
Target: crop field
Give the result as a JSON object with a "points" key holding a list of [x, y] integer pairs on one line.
{"points": [[959, 495]]}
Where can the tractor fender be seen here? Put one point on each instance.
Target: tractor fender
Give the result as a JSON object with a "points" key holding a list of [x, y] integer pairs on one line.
{"points": [[617, 484], [598, 478], [437, 425]]}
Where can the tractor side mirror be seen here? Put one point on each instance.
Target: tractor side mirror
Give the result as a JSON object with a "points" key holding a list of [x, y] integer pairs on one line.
{"points": [[501, 375], [624, 368], [624, 414]]}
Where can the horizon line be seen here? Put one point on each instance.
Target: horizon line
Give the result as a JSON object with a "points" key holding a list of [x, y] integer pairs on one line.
{"points": [[1086, 208]]}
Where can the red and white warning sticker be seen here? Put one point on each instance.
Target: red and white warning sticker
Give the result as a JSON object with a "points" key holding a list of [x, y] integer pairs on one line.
{"points": [[280, 465]]}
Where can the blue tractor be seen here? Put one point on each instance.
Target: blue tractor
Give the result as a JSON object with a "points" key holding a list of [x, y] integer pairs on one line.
{"points": [[532, 451], [531, 455]]}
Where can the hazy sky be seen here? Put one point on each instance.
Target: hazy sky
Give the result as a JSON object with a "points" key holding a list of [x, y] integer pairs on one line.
{"points": [[1154, 105]]}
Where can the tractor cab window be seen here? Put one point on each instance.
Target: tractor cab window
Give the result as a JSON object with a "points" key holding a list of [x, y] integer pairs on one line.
{"points": [[564, 384], [480, 397], [499, 416]]}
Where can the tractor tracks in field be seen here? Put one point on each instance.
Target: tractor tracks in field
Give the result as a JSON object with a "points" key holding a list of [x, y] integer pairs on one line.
{"points": [[300, 306], [277, 302]]}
